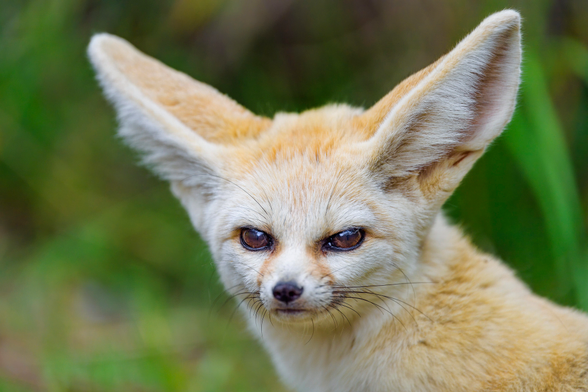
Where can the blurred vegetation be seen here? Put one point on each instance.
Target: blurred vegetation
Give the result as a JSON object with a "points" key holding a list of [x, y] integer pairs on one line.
{"points": [[104, 286]]}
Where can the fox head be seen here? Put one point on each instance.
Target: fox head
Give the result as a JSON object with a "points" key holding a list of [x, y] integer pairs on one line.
{"points": [[300, 209]]}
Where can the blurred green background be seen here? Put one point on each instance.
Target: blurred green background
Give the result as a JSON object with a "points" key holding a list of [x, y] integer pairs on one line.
{"points": [[104, 286]]}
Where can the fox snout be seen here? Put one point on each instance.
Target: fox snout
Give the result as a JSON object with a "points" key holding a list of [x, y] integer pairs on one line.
{"points": [[294, 287]]}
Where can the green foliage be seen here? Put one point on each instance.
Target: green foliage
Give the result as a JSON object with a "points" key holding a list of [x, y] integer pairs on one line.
{"points": [[536, 140], [104, 286]]}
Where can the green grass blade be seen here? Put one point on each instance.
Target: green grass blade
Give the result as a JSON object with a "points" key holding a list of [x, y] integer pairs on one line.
{"points": [[537, 142]]}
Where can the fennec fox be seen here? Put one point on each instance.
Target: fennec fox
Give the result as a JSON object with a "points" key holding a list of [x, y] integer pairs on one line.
{"points": [[320, 220]]}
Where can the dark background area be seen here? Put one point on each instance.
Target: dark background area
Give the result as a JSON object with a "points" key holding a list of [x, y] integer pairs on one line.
{"points": [[104, 285]]}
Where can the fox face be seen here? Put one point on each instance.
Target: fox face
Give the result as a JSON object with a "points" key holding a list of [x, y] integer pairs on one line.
{"points": [[297, 244], [305, 213]]}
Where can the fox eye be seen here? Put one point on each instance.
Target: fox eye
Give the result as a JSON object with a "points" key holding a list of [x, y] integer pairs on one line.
{"points": [[253, 239], [346, 240]]}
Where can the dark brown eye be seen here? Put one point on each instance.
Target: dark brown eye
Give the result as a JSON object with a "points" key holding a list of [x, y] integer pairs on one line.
{"points": [[346, 240], [253, 239]]}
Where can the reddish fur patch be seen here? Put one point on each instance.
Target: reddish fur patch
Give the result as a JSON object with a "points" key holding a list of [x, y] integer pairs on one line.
{"points": [[267, 265], [318, 267]]}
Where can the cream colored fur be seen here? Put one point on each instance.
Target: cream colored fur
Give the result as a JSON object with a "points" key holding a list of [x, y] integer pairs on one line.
{"points": [[466, 323]]}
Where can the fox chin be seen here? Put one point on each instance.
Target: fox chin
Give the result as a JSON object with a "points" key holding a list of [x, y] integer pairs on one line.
{"points": [[326, 224]]}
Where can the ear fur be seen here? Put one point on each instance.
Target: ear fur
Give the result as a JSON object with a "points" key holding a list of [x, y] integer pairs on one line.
{"points": [[440, 120], [179, 124]]}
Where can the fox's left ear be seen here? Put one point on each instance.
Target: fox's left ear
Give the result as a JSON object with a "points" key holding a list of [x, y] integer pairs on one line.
{"points": [[182, 127], [437, 122]]}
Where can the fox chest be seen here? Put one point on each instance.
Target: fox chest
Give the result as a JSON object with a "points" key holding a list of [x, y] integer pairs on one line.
{"points": [[339, 362]]}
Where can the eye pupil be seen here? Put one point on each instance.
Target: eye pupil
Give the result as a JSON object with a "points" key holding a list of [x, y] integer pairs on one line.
{"points": [[253, 239], [346, 240]]}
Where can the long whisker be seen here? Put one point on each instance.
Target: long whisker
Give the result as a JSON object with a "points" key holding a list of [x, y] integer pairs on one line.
{"points": [[392, 299], [381, 285], [343, 314], [221, 294], [406, 277], [335, 324], [259, 306], [407, 304], [382, 309], [380, 296], [250, 296], [211, 174], [233, 296], [337, 270], [261, 181], [249, 194], [254, 270], [312, 335], [344, 292], [343, 304], [333, 192], [262, 318]]}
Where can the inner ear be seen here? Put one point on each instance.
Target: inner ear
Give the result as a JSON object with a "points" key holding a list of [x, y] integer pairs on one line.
{"points": [[495, 91], [139, 84], [457, 157]]}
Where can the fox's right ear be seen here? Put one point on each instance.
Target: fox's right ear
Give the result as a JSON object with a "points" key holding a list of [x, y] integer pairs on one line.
{"points": [[435, 124], [181, 126]]}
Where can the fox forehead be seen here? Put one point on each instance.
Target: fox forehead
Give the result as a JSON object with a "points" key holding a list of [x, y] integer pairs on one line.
{"points": [[316, 134], [301, 195]]}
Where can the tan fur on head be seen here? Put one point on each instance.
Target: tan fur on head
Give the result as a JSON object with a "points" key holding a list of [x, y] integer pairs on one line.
{"points": [[303, 183]]}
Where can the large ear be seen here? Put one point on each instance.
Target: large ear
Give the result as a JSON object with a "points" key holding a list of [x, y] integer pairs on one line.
{"points": [[179, 124], [439, 121]]}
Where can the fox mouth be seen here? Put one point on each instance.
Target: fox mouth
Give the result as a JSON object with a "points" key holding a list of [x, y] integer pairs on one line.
{"points": [[292, 314], [290, 311]]}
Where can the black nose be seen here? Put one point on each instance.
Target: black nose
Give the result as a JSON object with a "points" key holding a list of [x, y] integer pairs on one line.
{"points": [[287, 291]]}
